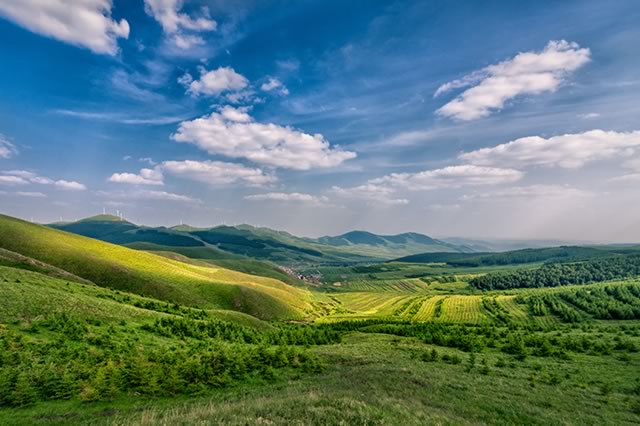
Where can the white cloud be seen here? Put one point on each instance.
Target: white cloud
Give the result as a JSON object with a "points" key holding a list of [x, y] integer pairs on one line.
{"points": [[444, 207], [125, 84], [22, 177], [217, 172], [180, 27], [209, 172], [383, 189], [274, 85], [288, 196], [243, 96], [24, 194], [213, 83], [528, 73], [7, 149], [570, 151], [86, 23], [589, 116], [628, 178], [270, 144], [69, 185], [370, 192], [450, 177], [532, 191], [12, 180], [147, 160], [30, 194], [146, 177], [145, 194], [120, 118]]}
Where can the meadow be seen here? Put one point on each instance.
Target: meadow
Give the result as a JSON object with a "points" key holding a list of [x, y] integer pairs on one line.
{"points": [[94, 333]]}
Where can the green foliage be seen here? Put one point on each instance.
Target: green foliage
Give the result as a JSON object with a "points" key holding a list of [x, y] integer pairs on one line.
{"points": [[554, 275], [94, 363]]}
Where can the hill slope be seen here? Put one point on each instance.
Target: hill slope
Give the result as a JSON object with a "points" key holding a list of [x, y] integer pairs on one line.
{"points": [[259, 243], [147, 274], [388, 246]]}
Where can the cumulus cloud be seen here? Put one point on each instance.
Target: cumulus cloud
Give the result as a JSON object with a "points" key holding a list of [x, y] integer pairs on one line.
{"points": [[181, 28], [86, 23], [209, 172], [450, 177], [274, 85], [288, 196], [69, 185], [233, 133], [213, 83], [370, 192], [145, 177], [23, 177], [570, 151], [7, 149], [528, 73], [12, 180], [383, 189], [217, 172]]}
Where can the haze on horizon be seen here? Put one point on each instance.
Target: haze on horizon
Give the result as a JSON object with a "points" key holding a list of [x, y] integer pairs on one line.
{"points": [[505, 121]]}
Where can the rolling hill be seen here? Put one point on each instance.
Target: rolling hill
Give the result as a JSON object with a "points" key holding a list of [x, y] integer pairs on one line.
{"points": [[385, 246], [148, 274], [223, 243], [518, 257]]}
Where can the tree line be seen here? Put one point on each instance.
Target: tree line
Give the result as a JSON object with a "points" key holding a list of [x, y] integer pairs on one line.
{"points": [[560, 274]]}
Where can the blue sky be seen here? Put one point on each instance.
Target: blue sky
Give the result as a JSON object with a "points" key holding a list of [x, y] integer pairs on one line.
{"points": [[492, 119]]}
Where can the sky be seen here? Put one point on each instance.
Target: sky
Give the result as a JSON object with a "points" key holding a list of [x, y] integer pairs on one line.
{"points": [[493, 119]]}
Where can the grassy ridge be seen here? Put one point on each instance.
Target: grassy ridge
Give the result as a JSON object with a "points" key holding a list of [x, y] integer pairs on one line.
{"points": [[222, 259], [147, 274]]}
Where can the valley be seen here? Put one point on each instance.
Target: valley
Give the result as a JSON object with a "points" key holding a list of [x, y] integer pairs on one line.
{"points": [[167, 327]]}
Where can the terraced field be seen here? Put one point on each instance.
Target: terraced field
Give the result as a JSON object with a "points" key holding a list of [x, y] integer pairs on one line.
{"points": [[545, 307], [402, 285], [428, 308], [466, 309]]}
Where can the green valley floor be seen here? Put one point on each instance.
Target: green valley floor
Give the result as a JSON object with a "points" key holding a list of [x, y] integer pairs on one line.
{"points": [[381, 379]]}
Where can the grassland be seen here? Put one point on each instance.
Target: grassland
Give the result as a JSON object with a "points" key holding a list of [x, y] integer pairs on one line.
{"points": [[154, 276], [381, 379], [93, 333]]}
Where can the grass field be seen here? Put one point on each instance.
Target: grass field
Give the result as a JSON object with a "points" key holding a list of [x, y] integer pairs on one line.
{"points": [[155, 276], [448, 302], [381, 379], [93, 333]]}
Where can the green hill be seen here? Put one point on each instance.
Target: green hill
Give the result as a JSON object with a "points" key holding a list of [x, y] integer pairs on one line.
{"points": [[151, 275], [259, 243], [388, 246]]}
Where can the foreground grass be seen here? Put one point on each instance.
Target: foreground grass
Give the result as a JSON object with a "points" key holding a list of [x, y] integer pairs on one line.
{"points": [[380, 379]]}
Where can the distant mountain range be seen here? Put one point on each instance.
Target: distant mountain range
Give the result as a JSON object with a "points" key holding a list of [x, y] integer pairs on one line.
{"points": [[230, 242]]}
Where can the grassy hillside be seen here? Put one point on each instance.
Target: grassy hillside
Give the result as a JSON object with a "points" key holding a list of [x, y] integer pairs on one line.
{"points": [[388, 246], [262, 243], [222, 259], [63, 340], [147, 274]]}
